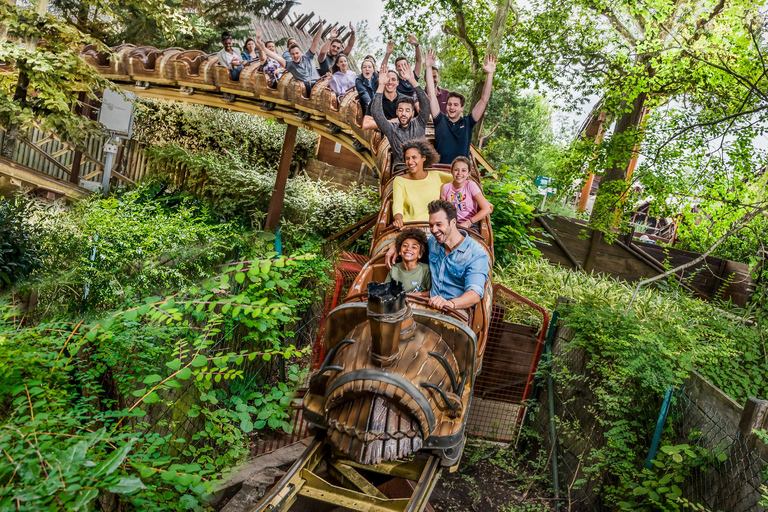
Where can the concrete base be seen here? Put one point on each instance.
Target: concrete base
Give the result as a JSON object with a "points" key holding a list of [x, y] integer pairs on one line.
{"points": [[248, 483]]}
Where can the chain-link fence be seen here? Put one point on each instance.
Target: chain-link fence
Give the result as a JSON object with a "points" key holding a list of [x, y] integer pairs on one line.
{"points": [[734, 466], [734, 462]]}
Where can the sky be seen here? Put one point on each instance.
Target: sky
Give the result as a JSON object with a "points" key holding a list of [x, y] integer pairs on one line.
{"points": [[345, 11]]}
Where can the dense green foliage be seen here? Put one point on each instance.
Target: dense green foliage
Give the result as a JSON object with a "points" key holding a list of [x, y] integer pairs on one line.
{"points": [[631, 358], [235, 188], [19, 244], [52, 49], [138, 243], [148, 401], [256, 141]]}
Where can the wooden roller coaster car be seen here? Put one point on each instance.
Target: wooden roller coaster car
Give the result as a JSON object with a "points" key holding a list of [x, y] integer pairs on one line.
{"points": [[397, 375], [193, 70]]}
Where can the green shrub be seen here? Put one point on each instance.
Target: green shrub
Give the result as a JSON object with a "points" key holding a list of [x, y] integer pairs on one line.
{"points": [[144, 408], [512, 214], [255, 140], [126, 246], [631, 357], [233, 188], [18, 241]]}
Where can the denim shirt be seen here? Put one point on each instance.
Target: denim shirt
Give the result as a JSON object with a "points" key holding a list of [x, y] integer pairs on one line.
{"points": [[465, 268]]}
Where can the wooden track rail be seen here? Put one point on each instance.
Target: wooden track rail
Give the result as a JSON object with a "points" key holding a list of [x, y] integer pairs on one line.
{"points": [[192, 76]]}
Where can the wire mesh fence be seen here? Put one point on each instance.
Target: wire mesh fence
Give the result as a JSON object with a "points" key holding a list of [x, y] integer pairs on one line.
{"points": [[733, 463], [733, 473]]}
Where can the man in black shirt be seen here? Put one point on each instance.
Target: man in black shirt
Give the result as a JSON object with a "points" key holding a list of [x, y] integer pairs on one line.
{"points": [[453, 130], [388, 101], [332, 48]]}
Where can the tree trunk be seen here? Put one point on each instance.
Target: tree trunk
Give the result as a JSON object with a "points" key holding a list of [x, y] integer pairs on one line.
{"points": [[611, 188]]}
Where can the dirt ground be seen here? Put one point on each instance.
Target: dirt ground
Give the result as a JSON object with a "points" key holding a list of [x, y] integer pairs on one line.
{"points": [[493, 477]]}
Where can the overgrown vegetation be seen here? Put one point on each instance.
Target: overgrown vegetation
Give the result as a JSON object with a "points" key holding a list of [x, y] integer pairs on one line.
{"points": [[19, 244], [631, 358], [104, 251], [146, 401], [253, 140], [235, 189]]}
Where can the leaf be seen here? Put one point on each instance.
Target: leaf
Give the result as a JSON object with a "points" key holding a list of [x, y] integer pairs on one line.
{"points": [[184, 373], [174, 365], [151, 379], [639, 491], [84, 499], [152, 398], [199, 360], [108, 466], [246, 426], [126, 485]]}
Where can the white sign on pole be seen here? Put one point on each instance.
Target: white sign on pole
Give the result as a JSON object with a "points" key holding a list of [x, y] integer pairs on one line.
{"points": [[116, 113]]}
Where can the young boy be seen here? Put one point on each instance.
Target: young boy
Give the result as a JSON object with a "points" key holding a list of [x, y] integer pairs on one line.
{"points": [[414, 275], [471, 205]]}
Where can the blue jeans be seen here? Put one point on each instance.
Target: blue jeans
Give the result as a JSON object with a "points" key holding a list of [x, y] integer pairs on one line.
{"points": [[234, 73]]}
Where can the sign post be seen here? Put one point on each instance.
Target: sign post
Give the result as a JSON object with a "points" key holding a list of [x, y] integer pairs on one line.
{"points": [[116, 115], [543, 182]]}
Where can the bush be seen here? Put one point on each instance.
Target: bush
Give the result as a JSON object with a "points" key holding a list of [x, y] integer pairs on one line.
{"points": [[512, 214], [143, 408], [18, 241], [105, 251], [255, 140], [234, 188], [632, 357]]}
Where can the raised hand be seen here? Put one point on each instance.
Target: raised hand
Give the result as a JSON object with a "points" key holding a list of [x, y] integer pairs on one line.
{"points": [[334, 34], [430, 58], [390, 47], [412, 39], [406, 72], [351, 27], [383, 72], [490, 63], [258, 36]]}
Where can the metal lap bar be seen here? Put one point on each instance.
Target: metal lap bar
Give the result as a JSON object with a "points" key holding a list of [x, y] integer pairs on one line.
{"points": [[318, 489]]}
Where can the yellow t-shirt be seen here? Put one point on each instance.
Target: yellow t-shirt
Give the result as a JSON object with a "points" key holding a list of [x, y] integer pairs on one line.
{"points": [[411, 197]]}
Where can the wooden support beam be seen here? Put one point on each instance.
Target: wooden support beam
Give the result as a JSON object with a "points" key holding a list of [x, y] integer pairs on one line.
{"points": [[594, 244], [278, 194], [559, 243]]}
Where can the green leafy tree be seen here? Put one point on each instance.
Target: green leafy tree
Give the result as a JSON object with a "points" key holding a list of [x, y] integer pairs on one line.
{"points": [[638, 55], [46, 71], [476, 29]]}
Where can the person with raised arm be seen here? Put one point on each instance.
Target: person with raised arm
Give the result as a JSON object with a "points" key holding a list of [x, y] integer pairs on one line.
{"points": [[401, 65], [453, 130], [270, 66], [409, 126], [459, 266], [301, 66], [334, 47]]}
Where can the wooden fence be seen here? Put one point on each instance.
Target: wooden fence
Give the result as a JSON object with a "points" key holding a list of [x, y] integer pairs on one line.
{"points": [[574, 245], [47, 153]]}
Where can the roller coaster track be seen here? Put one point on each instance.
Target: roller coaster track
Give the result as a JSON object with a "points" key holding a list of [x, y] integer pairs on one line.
{"points": [[191, 76]]}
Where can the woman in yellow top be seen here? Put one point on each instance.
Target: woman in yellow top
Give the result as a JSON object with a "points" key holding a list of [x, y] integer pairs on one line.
{"points": [[412, 192]]}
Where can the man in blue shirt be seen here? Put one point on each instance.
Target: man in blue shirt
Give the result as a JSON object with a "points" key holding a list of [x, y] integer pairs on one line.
{"points": [[453, 131], [459, 265]]}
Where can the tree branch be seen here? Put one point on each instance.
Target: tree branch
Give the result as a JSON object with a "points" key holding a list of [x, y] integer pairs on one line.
{"points": [[617, 25]]}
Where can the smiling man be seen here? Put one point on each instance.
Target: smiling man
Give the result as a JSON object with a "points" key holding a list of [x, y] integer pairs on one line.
{"points": [[459, 266], [453, 130], [408, 125]]}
